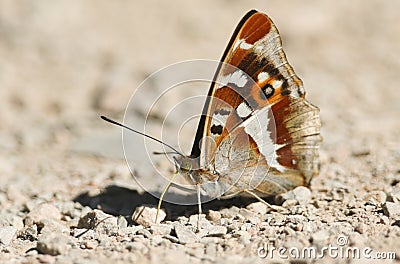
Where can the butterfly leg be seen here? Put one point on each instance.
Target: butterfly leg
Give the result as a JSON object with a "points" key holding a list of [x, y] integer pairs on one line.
{"points": [[162, 195], [272, 207], [199, 204]]}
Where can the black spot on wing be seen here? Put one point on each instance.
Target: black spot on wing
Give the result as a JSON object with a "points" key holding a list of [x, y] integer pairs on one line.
{"points": [[222, 112], [255, 66], [267, 90], [216, 130], [271, 70], [261, 63], [246, 61], [285, 88]]}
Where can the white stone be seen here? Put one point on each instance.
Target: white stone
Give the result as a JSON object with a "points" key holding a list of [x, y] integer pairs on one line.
{"points": [[6, 234], [146, 215]]}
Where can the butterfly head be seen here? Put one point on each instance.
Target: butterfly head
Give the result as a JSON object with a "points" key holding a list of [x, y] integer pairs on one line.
{"points": [[183, 164], [186, 166]]}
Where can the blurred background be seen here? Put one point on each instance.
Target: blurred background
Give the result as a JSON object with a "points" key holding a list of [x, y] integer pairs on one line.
{"points": [[64, 63]]}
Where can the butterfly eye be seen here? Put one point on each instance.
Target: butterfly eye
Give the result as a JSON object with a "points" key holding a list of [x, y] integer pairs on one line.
{"points": [[183, 164]]}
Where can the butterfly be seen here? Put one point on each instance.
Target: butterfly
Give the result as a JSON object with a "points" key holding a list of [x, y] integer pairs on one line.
{"points": [[257, 136]]}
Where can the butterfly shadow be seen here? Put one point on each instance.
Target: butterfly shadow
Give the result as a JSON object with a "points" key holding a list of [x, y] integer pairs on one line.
{"points": [[118, 200]]}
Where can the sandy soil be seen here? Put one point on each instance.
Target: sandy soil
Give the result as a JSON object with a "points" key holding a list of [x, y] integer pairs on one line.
{"points": [[63, 63]]}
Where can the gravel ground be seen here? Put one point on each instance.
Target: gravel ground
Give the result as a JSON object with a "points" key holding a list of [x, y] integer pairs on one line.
{"points": [[66, 194]]}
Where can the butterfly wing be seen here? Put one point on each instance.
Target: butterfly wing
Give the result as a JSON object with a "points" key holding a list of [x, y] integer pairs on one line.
{"points": [[270, 153], [256, 110]]}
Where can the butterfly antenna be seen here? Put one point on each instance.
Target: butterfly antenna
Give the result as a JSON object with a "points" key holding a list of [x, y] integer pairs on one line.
{"points": [[163, 153], [140, 133]]}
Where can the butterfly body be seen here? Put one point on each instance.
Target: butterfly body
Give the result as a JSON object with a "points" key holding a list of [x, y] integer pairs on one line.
{"points": [[257, 131]]}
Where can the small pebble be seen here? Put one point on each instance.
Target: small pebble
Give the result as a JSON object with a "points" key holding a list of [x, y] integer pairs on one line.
{"points": [[145, 215], [42, 211], [230, 212], [391, 209], [156, 240], [29, 233], [144, 232], [204, 223], [171, 238], [290, 203], [213, 215], [246, 213], [50, 226], [384, 220], [210, 240], [53, 244], [121, 222], [259, 208], [104, 223], [92, 218], [301, 194], [185, 235], [183, 220], [361, 228], [161, 229], [394, 195], [375, 197], [6, 234], [131, 230], [217, 231]]}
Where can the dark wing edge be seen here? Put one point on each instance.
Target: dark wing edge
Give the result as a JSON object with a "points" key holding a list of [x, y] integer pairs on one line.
{"points": [[195, 153]]}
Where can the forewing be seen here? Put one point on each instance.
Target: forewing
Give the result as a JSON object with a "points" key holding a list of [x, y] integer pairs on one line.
{"points": [[256, 94], [254, 73]]}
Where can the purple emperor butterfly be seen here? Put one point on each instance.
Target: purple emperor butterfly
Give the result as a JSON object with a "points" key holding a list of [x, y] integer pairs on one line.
{"points": [[258, 135]]}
